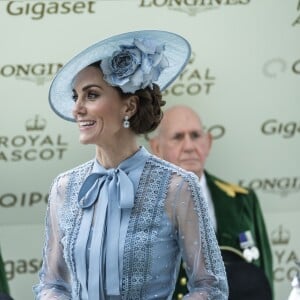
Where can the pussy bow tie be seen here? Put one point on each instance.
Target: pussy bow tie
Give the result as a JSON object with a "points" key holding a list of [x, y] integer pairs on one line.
{"points": [[115, 186], [120, 188]]}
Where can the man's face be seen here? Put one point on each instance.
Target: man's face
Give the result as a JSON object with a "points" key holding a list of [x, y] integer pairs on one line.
{"points": [[182, 140]]}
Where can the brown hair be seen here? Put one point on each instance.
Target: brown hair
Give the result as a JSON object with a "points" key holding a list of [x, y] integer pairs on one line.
{"points": [[149, 112]]}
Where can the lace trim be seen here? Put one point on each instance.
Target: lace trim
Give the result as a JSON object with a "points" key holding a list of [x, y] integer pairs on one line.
{"points": [[70, 218], [137, 255]]}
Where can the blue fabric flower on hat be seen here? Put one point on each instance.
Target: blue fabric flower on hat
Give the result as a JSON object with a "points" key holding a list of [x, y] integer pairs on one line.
{"points": [[135, 66]]}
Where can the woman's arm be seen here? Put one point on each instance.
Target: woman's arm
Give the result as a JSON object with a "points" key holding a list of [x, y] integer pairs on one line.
{"points": [[198, 244], [54, 275]]}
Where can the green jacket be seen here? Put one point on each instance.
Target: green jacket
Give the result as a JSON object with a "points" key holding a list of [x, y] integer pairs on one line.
{"points": [[3, 281], [237, 210]]}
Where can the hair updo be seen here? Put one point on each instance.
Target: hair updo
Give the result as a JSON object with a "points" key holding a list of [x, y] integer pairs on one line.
{"points": [[149, 113]]}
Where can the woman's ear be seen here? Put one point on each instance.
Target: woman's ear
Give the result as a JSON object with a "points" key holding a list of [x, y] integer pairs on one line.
{"points": [[131, 105]]}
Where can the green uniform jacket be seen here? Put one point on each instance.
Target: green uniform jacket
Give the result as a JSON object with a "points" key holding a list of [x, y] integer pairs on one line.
{"points": [[237, 210], [3, 280]]}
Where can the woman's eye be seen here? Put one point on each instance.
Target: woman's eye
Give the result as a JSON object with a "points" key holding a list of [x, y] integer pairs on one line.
{"points": [[74, 98], [92, 95]]}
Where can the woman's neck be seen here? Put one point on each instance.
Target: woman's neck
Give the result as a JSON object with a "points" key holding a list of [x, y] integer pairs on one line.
{"points": [[111, 157]]}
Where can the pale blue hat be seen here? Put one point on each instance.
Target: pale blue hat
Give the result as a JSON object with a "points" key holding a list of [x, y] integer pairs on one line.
{"points": [[131, 60]]}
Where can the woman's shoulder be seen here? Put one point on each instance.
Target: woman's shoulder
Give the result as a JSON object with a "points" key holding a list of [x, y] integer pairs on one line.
{"points": [[172, 168], [72, 177], [79, 170]]}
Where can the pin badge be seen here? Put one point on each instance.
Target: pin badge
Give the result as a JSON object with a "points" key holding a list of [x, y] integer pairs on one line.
{"points": [[250, 251]]}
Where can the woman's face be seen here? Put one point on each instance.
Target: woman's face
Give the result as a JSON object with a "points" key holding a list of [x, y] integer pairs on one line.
{"points": [[98, 110]]}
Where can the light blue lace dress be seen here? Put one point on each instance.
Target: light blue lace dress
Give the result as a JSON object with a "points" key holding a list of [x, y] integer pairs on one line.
{"points": [[119, 234]]}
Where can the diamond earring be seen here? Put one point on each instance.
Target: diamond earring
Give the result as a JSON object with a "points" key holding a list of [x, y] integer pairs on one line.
{"points": [[126, 123]]}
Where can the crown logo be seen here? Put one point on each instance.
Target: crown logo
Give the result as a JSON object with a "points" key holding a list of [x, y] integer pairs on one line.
{"points": [[280, 236], [35, 124]]}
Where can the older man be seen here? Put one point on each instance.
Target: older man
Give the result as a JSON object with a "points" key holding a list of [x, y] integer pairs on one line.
{"points": [[235, 212]]}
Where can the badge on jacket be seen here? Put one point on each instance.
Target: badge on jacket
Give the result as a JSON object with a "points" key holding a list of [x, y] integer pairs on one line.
{"points": [[250, 251]]}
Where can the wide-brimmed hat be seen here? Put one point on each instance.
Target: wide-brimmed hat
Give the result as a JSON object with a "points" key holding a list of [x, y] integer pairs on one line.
{"points": [[144, 57]]}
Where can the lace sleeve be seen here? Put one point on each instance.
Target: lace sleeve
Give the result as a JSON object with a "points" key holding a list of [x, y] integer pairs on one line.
{"points": [[54, 282], [200, 252]]}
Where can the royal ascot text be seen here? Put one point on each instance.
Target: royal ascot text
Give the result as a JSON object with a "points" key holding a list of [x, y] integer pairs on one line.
{"points": [[284, 261], [192, 82], [31, 148]]}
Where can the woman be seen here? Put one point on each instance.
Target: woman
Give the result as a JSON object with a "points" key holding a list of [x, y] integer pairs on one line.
{"points": [[117, 225]]}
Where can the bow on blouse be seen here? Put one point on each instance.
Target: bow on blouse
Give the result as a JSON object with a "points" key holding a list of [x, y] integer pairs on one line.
{"points": [[117, 189]]}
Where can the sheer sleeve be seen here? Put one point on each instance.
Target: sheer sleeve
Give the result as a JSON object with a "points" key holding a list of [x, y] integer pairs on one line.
{"points": [[200, 252], [54, 278]]}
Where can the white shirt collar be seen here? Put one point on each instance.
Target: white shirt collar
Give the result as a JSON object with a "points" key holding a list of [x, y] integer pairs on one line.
{"points": [[208, 198]]}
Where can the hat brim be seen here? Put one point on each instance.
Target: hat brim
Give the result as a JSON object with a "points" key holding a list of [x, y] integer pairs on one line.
{"points": [[177, 52]]}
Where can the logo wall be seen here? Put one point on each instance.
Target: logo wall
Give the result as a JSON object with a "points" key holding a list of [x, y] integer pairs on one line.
{"points": [[32, 145], [35, 143], [38, 73], [275, 67], [37, 10], [190, 7], [282, 186], [192, 81], [284, 257], [296, 21]]}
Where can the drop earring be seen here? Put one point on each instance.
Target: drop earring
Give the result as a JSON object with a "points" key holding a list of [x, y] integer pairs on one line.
{"points": [[126, 123]]}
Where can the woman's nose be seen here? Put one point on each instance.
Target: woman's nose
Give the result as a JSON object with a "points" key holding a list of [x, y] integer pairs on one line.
{"points": [[79, 107]]}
